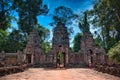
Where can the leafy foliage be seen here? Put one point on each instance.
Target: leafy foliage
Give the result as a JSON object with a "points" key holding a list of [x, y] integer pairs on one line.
{"points": [[114, 53], [3, 36], [64, 15], [103, 16], [60, 56], [77, 42], [13, 42], [44, 35], [5, 17], [16, 40], [83, 24], [98, 40], [43, 32], [28, 11], [46, 46]]}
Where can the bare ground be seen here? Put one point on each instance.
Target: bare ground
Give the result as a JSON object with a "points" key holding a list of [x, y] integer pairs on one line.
{"points": [[60, 74]]}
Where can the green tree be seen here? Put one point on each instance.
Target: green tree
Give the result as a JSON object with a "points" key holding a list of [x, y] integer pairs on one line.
{"points": [[16, 40], [114, 53], [64, 15], [3, 38], [28, 11], [44, 35], [83, 24], [104, 17], [116, 6], [77, 42], [43, 32], [5, 16], [46, 46], [13, 41]]}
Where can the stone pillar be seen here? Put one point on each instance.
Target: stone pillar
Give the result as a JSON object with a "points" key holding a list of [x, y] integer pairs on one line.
{"points": [[18, 56], [66, 55], [24, 58], [32, 59], [3, 54], [66, 64], [55, 59]]}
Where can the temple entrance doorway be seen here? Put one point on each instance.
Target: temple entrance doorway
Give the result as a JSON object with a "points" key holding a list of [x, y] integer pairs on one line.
{"points": [[61, 59], [28, 57], [91, 59], [91, 56]]}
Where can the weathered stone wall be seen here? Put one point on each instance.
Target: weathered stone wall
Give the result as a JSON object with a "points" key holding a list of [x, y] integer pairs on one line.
{"points": [[9, 59], [49, 58], [46, 59], [99, 55], [74, 58]]}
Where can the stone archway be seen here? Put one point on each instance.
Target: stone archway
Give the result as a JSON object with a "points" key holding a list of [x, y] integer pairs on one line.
{"points": [[28, 58], [91, 56], [61, 59]]}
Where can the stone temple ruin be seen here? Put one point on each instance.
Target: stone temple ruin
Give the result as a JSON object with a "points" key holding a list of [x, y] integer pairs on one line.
{"points": [[60, 42], [33, 49], [33, 53], [89, 52]]}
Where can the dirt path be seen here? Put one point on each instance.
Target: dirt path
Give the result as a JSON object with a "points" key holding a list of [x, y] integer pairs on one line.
{"points": [[60, 74]]}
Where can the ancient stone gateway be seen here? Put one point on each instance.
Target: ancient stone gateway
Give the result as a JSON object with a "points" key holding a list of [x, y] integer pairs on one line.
{"points": [[60, 43], [33, 50], [60, 54]]}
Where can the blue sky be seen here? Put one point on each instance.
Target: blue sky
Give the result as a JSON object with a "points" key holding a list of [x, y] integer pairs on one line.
{"points": [[78, 6]]}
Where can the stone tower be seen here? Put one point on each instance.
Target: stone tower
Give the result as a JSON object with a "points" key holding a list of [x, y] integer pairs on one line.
{"points": [[87, 46], [33, 50], [60, 42]]}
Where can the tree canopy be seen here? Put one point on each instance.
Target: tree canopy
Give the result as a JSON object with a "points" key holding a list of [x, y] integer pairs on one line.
{"points": [[64, 15], [5, 16], [83, 24], [28, 11], [104, 16], [114, 53]]}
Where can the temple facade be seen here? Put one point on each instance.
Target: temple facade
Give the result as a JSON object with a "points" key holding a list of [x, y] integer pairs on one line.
{"points": [[60, 43], [91, 54], [87, 46], [33, 49], [60, 53]]}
